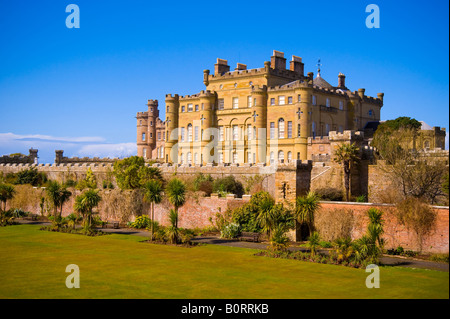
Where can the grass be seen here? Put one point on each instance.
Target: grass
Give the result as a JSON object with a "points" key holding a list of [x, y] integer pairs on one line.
{"points": [[33, 264]]}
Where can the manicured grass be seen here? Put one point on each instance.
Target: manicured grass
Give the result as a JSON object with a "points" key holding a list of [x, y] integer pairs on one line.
{"points": [[33, 263]]}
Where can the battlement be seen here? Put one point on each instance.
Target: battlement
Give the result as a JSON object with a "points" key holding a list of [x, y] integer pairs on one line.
{"points": [[60, 159], [31, 158]]}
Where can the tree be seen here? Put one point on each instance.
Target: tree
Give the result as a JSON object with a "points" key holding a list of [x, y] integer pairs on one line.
{"points": [[313, 242], [415, 173], [153, 194], [131, 172], [265, 214], [85, 203], [7, 192], [305, 209], [88, 182], [176, 193], [346, 155], [58, 195]]}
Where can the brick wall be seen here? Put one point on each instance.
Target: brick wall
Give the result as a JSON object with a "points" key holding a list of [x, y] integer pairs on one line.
{"points": [[396, 234]]}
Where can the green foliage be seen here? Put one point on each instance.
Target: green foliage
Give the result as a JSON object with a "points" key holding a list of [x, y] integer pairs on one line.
{"points": [[278, 240], [330, 194], [131, 172], [84, 204], [361, 199], [7, 192], [346, 155], [58, 195], [228, 185], [176, 193], [31, 176], [141, 222], [313, 242], [445, 185], [231, 230], [305, 209], [440, 258], [88, 182], [203, 183]]}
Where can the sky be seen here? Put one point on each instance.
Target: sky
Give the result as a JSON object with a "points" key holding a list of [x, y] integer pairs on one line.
{"points": [[79, 89]]}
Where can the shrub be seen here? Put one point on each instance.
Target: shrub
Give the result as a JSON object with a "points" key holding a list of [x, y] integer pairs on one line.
{"points": [[361, 199], [231, 230], [228, 184], [31, 176], [330, 194], [417, 216], [278, 240], [141, 222], [203, 183], [440, 258]]}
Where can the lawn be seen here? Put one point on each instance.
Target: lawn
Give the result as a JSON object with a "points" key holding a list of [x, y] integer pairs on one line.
{"points": [[33, 263]]}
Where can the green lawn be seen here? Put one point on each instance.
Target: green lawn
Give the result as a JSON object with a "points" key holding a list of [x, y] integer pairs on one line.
{"points": [[33, 263]]}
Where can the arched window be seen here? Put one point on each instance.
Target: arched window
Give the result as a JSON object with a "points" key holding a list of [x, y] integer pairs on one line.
{"points": [[281, 156], [289, 158], [272, 157], [281, 128], [189, 158], [189, 132]]}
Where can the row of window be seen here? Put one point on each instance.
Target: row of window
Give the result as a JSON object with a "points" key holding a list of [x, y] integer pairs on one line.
{"points": [[250, 158], [151, 136]]}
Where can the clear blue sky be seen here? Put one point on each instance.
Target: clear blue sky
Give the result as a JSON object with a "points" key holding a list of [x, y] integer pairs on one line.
{"points": [[79, 89]]}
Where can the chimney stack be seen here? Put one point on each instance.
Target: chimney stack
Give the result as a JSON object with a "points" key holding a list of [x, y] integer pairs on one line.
{"points": [[341, 81], [241, 66], [221, 67], [297, 65], [278, 61]]}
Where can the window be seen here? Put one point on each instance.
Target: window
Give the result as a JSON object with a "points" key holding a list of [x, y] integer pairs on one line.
{"points": [[340, 129], [189, 107], [298, 155], [272, 130], [289, 129], [235, 157], [327, 129], [196, 158], [249, 101], [220, 104], [235, 103], [298, 130], [151, 135], [281, 128], [254, 158], [328, 102], [281, 100], [341, 105], [189, 158], [159, 136], [140, 122], [167, 109], [151, 123], [164, 135], [272, 101], [370, 112], [145, 152], [220, 157], [182, 134], [254, 132], [272, 157], [220, 133], [289, 158], [249, 131], [182, 108], [196, 133], [299, 98], [314, 100], [189, 132], [289, 99], [143, 137], [181, 158], [196, 107], [235, 133], [281, 156], [313, 126]]}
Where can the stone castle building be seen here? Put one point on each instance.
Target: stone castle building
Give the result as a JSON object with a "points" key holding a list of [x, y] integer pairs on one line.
{"points": [[258, 115]]}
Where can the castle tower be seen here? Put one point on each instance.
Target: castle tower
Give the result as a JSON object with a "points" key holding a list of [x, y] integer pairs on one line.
{"points": [[259, 121], [207, 102], [172, 109], [304, 120], [151, 127]]}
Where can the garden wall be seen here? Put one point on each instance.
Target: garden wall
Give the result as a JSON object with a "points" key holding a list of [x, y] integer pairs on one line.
{"points": [[396, 234]]}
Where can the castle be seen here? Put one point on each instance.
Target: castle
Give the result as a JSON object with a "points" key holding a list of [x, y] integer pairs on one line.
{"points": [[262, 115]]}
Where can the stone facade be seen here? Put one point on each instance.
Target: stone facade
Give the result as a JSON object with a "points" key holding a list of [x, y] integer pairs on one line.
{"points": [[32, 158], [262, 115]]}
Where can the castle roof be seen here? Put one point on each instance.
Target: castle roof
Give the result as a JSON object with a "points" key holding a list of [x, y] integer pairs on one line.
{"points": [[425, 126], [319, 81]]}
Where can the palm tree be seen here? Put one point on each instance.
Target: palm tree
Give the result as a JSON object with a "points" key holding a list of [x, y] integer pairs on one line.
{"points": [[85, 203], [153, 195], [265, 216], [313, 242], [58, 195], [7, 192], [347, 155], [176, 193], [305, 209]]}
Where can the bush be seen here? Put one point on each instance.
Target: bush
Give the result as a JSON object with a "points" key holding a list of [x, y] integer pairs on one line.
{"points": [[203, 183], [141, 222], [228, 184], [31, 176], [330, 194], [361, 199], [231, 230], [440, 258]]}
